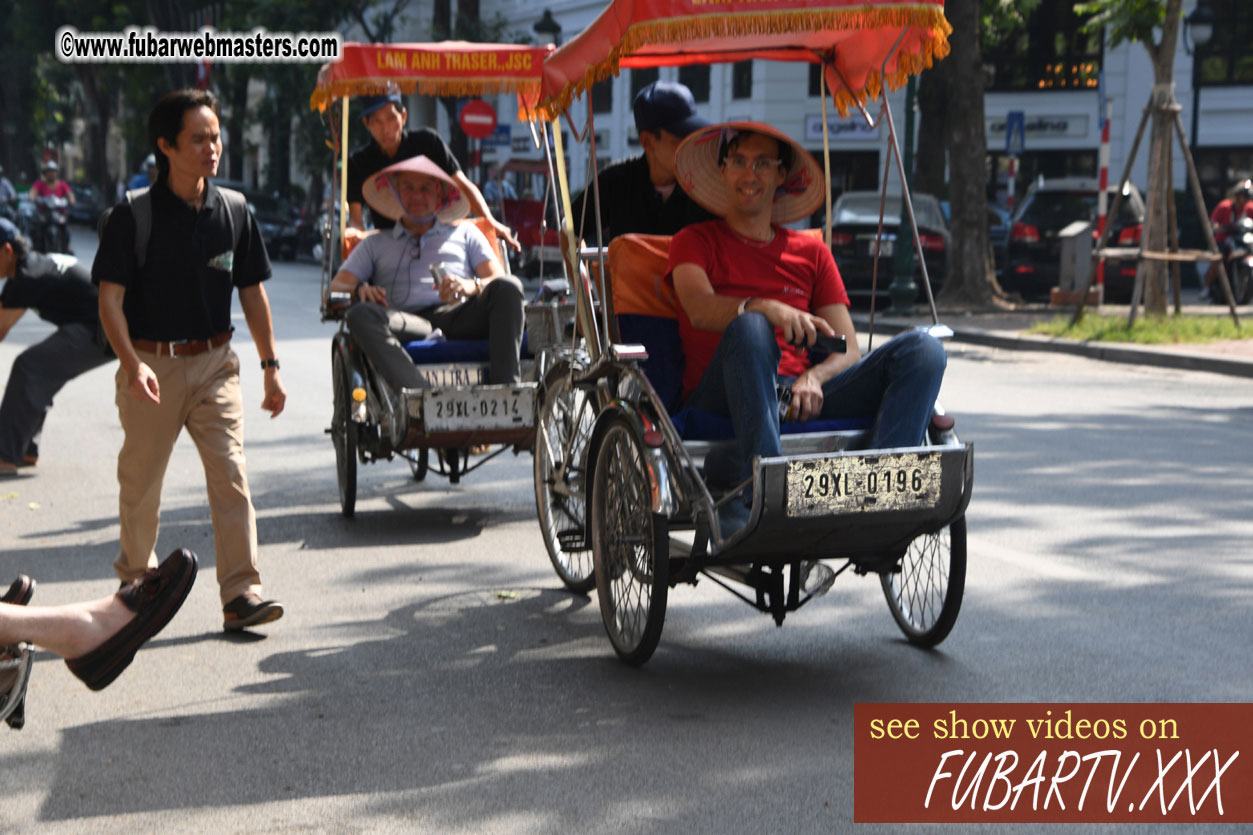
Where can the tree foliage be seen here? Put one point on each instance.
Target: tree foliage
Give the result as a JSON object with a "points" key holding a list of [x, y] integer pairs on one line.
{"points": [[1123, 20]]}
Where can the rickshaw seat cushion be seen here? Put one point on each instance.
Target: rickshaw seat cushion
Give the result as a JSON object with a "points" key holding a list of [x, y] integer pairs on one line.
{"points": [[431, 351], [700, 425], [665, 363], [438, 352]]}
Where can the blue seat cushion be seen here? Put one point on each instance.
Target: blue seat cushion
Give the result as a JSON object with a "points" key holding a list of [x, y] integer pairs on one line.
{"points": [[431, 352], [665, 363], [700, 425], [435, 352]]}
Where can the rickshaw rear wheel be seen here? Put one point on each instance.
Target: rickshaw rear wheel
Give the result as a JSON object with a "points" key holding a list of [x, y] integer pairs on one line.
{"points": [[344, 436], [629, 547], [564, 423], [926, 594]]}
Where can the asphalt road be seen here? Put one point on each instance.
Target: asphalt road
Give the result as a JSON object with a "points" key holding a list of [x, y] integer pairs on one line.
{"points": [[432, 675]]}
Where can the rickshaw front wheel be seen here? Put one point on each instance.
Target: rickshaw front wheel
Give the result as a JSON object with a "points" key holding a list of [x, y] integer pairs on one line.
{"points": [[563, 431], [420, 463], [629, 547], [926, 594], [344, 436]]}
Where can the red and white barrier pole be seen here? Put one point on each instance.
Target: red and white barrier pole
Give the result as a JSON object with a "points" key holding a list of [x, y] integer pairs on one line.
{"points": [[1102, 198]]}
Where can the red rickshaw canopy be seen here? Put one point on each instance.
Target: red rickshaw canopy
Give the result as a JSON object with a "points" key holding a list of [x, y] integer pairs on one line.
{"points": [[857, 37], [447, 68]]}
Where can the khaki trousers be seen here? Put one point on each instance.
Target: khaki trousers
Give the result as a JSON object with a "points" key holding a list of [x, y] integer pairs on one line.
{"points": [[202, 394]]}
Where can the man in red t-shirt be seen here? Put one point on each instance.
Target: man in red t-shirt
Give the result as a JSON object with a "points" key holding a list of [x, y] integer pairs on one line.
{"points": [[754, 294]]}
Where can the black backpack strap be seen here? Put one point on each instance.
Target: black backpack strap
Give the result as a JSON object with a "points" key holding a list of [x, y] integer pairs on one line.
{"points": [[237, 211], [140, 202]]}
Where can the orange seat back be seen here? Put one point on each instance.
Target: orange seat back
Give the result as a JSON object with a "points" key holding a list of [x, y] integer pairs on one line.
{"points": [[637, 270], [349, 246]]}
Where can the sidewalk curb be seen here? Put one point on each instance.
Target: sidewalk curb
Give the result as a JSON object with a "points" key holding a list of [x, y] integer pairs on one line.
{"points": [[1130, 354]]}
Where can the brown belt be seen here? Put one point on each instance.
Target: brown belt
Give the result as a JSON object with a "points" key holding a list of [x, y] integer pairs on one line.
{"points": [[182, 348]]}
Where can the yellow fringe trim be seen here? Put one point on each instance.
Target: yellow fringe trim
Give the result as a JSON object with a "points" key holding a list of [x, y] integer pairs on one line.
{"points": [[479, 86], [929, 17]]}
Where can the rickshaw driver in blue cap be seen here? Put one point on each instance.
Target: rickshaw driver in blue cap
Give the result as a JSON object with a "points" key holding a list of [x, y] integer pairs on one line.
{"points": [[753, 293], [639, 194], [385, 117]]}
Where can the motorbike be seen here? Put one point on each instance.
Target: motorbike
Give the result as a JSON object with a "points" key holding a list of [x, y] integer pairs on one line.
{"points": [[50, 231], [1240, 261]]}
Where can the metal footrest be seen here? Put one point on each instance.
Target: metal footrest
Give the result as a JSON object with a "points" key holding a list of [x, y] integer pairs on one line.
{"points": [[573, 540]]}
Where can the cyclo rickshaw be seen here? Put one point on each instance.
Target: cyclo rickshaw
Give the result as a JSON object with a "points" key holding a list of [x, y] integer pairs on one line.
{"points": [[623, 503], [459, 409]]}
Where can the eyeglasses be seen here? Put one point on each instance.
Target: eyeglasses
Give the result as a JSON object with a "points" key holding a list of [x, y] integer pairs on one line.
{"points": [[760, 165]]}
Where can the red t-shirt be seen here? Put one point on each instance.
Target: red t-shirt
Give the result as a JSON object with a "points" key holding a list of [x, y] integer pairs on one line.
{"points": [[41, 189], [795, 269], [1224, 214]]}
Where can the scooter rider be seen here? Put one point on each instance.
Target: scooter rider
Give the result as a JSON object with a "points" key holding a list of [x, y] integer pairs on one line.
{"points": [[45, 192], [1225, 219]]}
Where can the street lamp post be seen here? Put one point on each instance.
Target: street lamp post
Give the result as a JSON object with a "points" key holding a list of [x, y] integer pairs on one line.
{"points": [[1198, 28], [548, 27]]}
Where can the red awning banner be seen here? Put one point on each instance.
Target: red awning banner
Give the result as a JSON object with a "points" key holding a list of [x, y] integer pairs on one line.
{"points": [[860, 40], [447, 68]]}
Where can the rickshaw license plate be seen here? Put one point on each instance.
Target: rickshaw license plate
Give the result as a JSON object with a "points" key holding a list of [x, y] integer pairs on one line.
{"points": [[863, 483], [462, 409]]}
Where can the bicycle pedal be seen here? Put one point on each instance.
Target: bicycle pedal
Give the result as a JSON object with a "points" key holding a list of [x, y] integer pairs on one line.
{"points": [[572, 540]]}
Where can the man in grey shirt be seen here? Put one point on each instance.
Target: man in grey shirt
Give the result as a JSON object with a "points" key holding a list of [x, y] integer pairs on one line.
{"points": [[389, 275]]}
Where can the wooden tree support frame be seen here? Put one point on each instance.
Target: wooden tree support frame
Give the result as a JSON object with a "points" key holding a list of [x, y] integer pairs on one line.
{"points": [[1169, 109]]}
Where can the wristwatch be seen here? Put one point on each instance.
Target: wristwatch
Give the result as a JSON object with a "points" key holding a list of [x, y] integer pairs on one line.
{"points": [[269, 364]]}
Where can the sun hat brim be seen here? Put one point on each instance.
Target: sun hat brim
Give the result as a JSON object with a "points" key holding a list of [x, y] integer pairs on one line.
{"points": [[698, 173], [380, 197]]}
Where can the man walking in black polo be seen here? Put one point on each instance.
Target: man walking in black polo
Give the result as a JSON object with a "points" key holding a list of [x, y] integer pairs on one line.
{"points": [[169, 321]]}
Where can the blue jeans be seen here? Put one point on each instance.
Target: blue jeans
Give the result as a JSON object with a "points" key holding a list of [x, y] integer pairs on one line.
{"points": [[894, 386]]}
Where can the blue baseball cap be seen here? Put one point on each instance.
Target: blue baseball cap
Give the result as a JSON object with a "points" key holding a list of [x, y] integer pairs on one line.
{"points": [[8, 232], [668, 106], [369, 104]]}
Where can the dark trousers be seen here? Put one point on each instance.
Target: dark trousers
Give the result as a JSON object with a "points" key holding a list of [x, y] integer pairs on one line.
{"points": [[497, 314], [895, 386], [38, 374]]}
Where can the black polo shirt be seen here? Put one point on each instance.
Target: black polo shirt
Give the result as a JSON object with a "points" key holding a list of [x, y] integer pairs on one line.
{"points": [[184, 289], [370, 159], [59, 294], [630, 204]]}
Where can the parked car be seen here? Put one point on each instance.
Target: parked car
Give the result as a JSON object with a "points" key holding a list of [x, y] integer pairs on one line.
{"points": [[275, 218], [1034, 251], [855, 222], [88, 204]]}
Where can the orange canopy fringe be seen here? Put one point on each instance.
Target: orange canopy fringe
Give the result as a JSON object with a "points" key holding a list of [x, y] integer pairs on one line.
{"points": [[934, 43]]}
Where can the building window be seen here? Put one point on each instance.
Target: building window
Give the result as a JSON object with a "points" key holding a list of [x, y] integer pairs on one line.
{"points": [[742, 80], [1226, 59], [602, 96], [815, 80], [696, 79], [1047, 53], [641, 79]]}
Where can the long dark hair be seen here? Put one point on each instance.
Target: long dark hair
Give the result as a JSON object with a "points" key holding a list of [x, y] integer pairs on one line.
{"points": [[166, 120]]}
